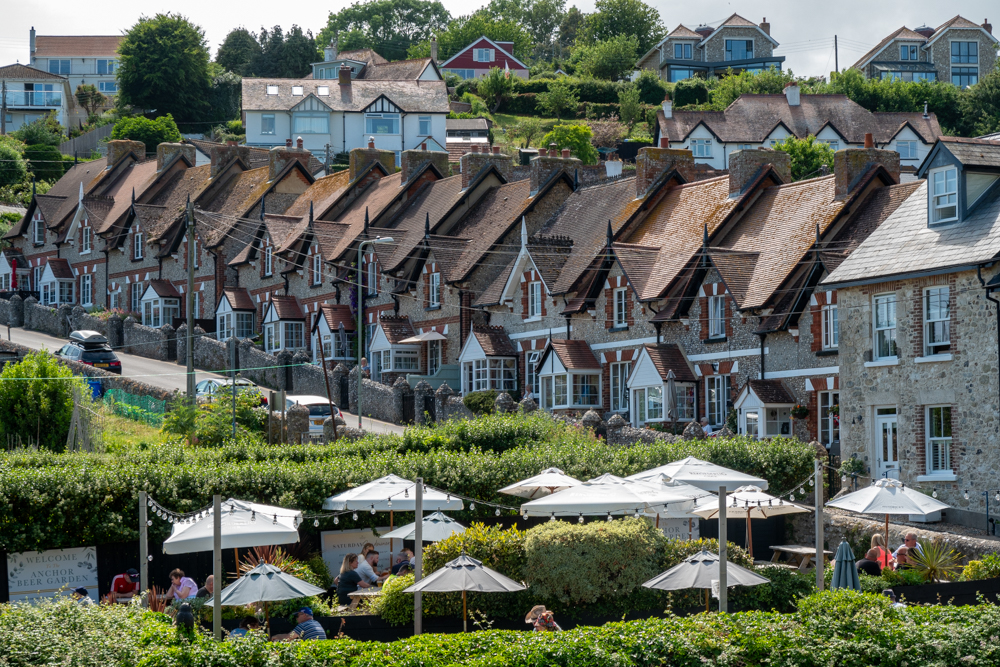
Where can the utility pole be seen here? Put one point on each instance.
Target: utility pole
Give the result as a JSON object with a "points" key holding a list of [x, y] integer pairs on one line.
{"points": [[190, 302], [836, 61]]}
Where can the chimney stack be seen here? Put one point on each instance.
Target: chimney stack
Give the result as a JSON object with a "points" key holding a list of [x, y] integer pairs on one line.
{"points": [[344, 75], [987, 26], [668, 107], [765, 26], [925, 31], [31, 46], [119, 148], [869, 140], [410, 162], [792, 93], [166, 151], [851, 164], [434, 48], [330, 52], [279, 157], [651, 163], [746, 164], [362, 157], [704, 30], [543, 166], [220, 156], [473, 163]]}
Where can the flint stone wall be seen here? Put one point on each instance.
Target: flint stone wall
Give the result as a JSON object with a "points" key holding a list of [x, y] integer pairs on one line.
{"points": [[146, 341]]}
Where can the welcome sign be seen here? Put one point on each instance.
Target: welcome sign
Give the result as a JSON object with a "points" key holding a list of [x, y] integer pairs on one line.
{"points": [[38, 574]]}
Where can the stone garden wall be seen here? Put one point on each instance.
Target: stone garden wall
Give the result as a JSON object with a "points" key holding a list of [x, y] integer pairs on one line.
{"points": [[47, 320], [148, 342]]}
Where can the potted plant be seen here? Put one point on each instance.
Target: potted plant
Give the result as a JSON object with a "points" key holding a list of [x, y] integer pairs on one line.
{"points": [[800, 412]]}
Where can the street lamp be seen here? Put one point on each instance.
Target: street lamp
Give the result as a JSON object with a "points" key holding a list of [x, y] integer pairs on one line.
{"points": [[361, 332]]}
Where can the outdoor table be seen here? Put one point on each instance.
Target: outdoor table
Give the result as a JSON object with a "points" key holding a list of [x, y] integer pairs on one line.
{"points": [[801, 556], [358, 595]]}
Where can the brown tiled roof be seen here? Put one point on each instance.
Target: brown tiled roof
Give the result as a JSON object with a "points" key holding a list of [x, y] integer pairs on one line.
{"points": [[77, 46], [240, 193], [280, 228], [396, 328], [448, 252], [494, 291], [60, 268], [19, 72], [362, 55], [287, 307], [50, 207], [956, 21], [456, 149], [61, 198], [323, 192], [637, 262], [683, 32], [433, 200], [166, 209], [137, 176], [15, 255], [399, 70], [329, 235], [751, 118], [574, 354], [258, 157], [239, 299], [973, 152], [736, 268], [376, 198], [487, 222], [737, 20], [334, 314], [771, 391], [410, 96], [901, 33], [164, 288], [494, 341], [669, 357]]}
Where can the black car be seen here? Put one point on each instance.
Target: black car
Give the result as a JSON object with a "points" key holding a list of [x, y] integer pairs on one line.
{"points": [[91, 348]]}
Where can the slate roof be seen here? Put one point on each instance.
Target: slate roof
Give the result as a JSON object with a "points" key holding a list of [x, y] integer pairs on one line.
{"points": [[61, 198], [239, 299], [170, 202], [76, 46], [396, 328], [637, 261], [904, 244], [376, 198], [487, 221], [669, 357], [433, 199], [399, 70], [137, 176], [494, 291], [574, 354], [901, 33], [362, 55], [410, 96], [683, 32], [736, 268], [321, 194], [53, 208], [771, 392], [19, 72], [973, 152], [164, 288], [494, 341], [752, 118], [334, 314], [60, 268], [287, 307], [258, 157]]}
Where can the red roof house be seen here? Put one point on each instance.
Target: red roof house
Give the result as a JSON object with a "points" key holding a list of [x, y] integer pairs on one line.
{"points": [[479, 57]]}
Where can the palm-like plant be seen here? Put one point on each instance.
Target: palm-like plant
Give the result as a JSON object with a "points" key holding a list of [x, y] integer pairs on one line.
{"points": [[936, 561]]}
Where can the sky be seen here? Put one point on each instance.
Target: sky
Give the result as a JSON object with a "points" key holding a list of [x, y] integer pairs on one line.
{"points": [[804, 28]]}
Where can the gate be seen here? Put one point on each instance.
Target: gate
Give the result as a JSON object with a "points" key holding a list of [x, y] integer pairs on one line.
{"points": [[409, 404], [430, 407]]}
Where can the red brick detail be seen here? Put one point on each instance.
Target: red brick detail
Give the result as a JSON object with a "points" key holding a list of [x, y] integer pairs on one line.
{"points": [[725, 367], [704, 317], [708, 369], [812, 421], [836, 382], [816, 310], [729, 313], [527, 278], [618, 282], [920, 439], [917, 331]]}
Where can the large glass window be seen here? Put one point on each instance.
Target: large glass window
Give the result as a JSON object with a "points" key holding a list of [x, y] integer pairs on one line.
{"points": [[619, 392], [944, 194], [716, 316], [587, 390], [60, 67], [965, 52], [310, 123], [547, 393], [136, 297], [483, 55], [937, 321], [908, 52], [964, 76], [831, 327], [682, 52], [382, 123], [753, 427], [267, 123], [244, 325], [701, 147], [106, 67], [719, 397], [406, 360], [107, 87], [779, 421], [739, 49], [294, 335], [885, 326], [907, 150], [939, 439], [680, 73], [654, 403]]}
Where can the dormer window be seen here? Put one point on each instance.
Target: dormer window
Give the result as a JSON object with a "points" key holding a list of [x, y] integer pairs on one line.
{"points": [[944, 195], [323, 91], [297, 91], [908, 52], [272, 90]]}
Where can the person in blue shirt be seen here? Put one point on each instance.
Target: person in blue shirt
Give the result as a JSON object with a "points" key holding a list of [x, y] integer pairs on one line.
{"points": [[307, 628]]}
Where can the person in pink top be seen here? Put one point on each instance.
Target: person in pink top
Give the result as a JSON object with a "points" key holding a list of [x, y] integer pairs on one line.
{"points": [[181, 587]]}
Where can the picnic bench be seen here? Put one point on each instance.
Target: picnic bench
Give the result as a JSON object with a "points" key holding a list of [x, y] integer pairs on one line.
{"points": [[359, 595], [798, 555]]}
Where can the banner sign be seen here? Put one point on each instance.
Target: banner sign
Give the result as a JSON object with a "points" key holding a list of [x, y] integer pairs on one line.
{"points": [[38, 574], [339, 543], [681, 529]]}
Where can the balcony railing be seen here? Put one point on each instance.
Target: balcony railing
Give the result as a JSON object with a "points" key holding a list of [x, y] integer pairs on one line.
{"points": [[34, 98]]}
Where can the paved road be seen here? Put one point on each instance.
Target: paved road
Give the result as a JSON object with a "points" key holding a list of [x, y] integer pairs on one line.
{"points": [[164, 374], [13, 209]]}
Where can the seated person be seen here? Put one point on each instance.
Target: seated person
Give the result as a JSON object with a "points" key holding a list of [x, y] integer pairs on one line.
{"points": [[246, 625], [705, 426], [404, 569], [911, 545], [82, 597], [181, 587], [208, 589], [903, 559], [368, 566], [869, 564], [307, 628], [349, 580], [125, 585], [403, 560]]}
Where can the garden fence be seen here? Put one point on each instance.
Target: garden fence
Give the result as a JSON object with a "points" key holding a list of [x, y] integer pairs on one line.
{"points": [[132, 406]]}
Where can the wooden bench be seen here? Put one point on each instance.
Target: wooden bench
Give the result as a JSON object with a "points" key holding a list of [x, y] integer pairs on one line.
{"points": [[802, 557]]}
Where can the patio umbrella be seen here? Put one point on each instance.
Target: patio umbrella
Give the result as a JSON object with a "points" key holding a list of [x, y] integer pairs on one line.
{"points": [[670, 400], [244, 524], [265, 583], [427, 336], [437, 527], [888, 496], [701, 570], [544, 483], [391, 493], [702, 474], [607, 494], [750, 502], [845, 572], [465, 574]]}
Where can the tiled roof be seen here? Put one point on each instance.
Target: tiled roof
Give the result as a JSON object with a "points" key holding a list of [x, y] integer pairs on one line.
{"points": [[50, 207], [751, 118], [683, 32], [19, 72], [434, 199], [170, 202], [396, 328], [78, 46], [399, 70], [901, 33], [323, 192], [280, 228], [239, 299], [491, 218], [334, 314], [771, 392], [287, 307], [164, 288], [973, 152], [239, 194], [669, 357], [868, 216], [904, 243], [574, 354], [60, 268], [14, 255], [362, 55], [258, 157], [410, 96], [637, 262], [448, 252], [739, 21], [494, 341], [957, 22], [137, 176], [456, 149], [494, 291], [375, 199], [466, 124], [329, 235], [736, 268]]}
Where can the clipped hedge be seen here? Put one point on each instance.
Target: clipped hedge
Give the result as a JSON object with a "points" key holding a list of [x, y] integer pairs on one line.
{"points": [[840, 628]]}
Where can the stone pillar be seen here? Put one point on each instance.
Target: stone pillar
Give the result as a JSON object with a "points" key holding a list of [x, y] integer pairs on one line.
{"points": [[504, 404], [614, 429], [400, 391], [29, 309], [79, 312], [127, 333], [423, 402], [170, 342], [591, 420], [339, 372], [298, 424], [284, 360], [65, 313], [180, 343], [693, 431], [328, 429], [527, 405], [16, 311], [352, 389], [441, 396]]}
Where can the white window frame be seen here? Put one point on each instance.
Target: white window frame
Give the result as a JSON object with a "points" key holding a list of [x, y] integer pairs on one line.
{"points": [[946, 197], [370, 127], [830, 327], [293, 335], [701, 148], [135, 300], [484, 55], [717, 316], [620, 307], [85, 240], [534, 299], [884, 329], [424, 126], [317, 268], [911, 149], [685, 402], [137, 249], [619, 373], [531, 373], [310, 122], [267, 127], [938, 448], [108, 87], [87, 289], [226, 329], [654, 403], [244, 325], [433, 356], [434, 290], [937, 320], [718, 394], [323, 91], [268, 261], [372, 269], [39, 232], [272, 90], [828, 425], [297, 91]]}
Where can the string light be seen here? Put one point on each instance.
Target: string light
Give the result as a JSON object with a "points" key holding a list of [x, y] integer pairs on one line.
{"points": [[315, 523], [552, 517], [792, 497], [498, 511], [934, 493], [355, 516], [580, 520], [373, 509], [149, 558], [336, 520], [275, 522], [253, 515], [609, 516], [149, 522], [810, 481], [636, 515], [406, 493], [966, 494], [843, 479]]}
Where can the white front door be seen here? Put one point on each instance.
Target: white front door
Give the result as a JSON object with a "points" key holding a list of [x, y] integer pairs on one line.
{"points": [[886, 443]]}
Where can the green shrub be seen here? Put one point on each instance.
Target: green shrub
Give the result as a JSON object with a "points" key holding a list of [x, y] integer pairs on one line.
{"points": [[558, 99], [652, 89], [13, 168], [525, 104], [481, 402], [150, 131], [988, 567], [394, 606], [44, 162], [574, 137], [690, 91], [36, 401], [45, 130]]}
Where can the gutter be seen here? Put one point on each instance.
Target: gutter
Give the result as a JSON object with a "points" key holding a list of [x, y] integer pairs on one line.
{"points": [[901, 276]]}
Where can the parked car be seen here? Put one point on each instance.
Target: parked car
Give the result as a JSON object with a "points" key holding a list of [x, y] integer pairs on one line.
{"points": [[319, 410], [91, 348], [207, 390]]}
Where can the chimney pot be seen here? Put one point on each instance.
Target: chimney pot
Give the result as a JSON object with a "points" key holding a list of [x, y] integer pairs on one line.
{"points": [[869, 140], [371, 143], [664, 142], [288, 143], [542, 152], [668, 107], [344, 75], [475, 148], [423, 145], [553, 149], [565, 152], [792, 94], [298, 143], [496, 150]]}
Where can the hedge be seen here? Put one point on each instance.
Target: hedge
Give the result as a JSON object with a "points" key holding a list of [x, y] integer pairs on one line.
{"points": [[840, 628], [66, 500]]}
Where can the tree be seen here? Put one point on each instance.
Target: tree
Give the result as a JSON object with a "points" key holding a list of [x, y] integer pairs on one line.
{"points": [[238, 51], [225, 95], [45, 130], [615, 18], [572, 24], [607, 132], [285, 55], [36, 401], [574, 137], [629, 107], [496, 88], [981, 105], [389, 26], [559, 98], [13, 169], [651, 89], [465, 29], [150, 132], [807, 156], [727, 89], [540, 17], [527, 129], [163, 66], [610, 59], [45, 162], [90, 98]]}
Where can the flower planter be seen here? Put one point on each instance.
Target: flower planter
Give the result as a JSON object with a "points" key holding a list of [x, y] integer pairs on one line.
{"points": [[956, 593]]}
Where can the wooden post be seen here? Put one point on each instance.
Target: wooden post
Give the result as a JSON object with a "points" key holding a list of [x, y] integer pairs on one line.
{"points": [[820, 558], [465, 615]]}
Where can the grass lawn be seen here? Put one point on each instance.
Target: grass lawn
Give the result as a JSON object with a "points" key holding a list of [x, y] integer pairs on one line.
{"points": [[121, 434]]}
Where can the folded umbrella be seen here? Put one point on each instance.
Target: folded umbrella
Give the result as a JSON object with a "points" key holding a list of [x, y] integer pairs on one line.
{"points": [[845, 571]]}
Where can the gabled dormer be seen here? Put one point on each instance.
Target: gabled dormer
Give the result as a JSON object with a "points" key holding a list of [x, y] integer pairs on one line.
{"points": [[960, 173]]}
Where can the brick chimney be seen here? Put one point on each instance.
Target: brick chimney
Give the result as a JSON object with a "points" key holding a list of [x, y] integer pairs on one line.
{"points": [[704, 30], [410, 161], [746, 164], [765, 26], [119, 148], [278, 157], [344, 75], [668, 107], [543, 166], [434, 48], [792, 93], [987, 26], [362, 157], [473, 163], [223, 155], [651, 163], [851, 164], [165, 152]]}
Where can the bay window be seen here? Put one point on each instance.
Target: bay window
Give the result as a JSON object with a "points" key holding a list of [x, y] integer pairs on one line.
{"points": [[294, 335], [244, 325], [587, 390]]}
